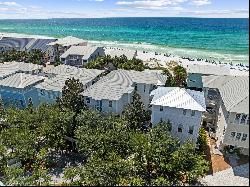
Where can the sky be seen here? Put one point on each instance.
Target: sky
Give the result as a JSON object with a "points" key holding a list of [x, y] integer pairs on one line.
{"points": [[43, 9]]}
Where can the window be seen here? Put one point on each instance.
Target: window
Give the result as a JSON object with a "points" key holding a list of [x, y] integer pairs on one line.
{"points": [[169, 127], [243, 119], [135, 87], [144, 88], [42, 92], [233, 134], [184, 112], [191, 130], [238, 136], [248, 120], [87, 100], [237, 118], [180, 128], [244, 137], [192, 113], [161, 108], [110, 103]]}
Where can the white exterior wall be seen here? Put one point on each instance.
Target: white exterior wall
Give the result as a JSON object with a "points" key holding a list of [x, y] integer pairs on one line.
{"points": [[117, 105], [144, 91], [176, 117], [226, 125]]}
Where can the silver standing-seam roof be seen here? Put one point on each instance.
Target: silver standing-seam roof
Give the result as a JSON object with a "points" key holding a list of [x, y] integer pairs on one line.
{"points": [[21, 80], [234, 91], [85, 51], [208, 69], [176, 97], [68, 41], [19, 66], [64, 72], [119, 82]]}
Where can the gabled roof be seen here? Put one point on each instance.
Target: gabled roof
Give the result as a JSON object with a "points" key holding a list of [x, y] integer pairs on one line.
{"points": [[71, 70], [234, 91], [85, 51], [119, 82], [21, 80], [68, 41], [40, 44], [176, 97]]}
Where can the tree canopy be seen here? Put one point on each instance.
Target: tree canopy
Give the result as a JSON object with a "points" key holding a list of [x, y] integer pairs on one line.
{"points": [[121, 62]]}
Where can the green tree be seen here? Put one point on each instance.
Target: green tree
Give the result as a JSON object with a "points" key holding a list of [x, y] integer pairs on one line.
{"points": [[71, 95], [180, 76], [135, 113], [170, 79], [202, 141]]}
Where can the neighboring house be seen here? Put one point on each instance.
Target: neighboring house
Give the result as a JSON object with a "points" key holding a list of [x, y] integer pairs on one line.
{"points": [[51, 88], [17, 89], [19, 44], [182, 107], [117, 52], [114, 91], [232, 125], [41, 44], [196, 71], [79, 56], [63, 44]]}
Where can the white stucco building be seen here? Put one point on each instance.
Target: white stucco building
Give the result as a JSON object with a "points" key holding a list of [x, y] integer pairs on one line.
{"points": [[182, 107], [114, 91], [232, 125]]}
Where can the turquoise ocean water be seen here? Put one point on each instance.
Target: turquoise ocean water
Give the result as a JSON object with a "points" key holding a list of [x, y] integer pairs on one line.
{"points": [[219, 39]]}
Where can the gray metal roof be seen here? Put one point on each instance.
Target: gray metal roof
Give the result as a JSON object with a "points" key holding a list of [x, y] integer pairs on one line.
{"points": [[119, 82], [19, 66], [176, 97], [16, 43], [234, 91], [40, 44], [85, 51], [71, 70], [68, 41], [208, 69], [21, 80]]}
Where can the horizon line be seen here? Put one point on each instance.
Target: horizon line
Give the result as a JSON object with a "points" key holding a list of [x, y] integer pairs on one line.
{"points": [[125, 17]]}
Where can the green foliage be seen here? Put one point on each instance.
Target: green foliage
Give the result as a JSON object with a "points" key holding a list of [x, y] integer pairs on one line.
{"points": [[35, 56], [178, 79], [202, 140], [117, 62], [71, 97], [180, 76], [135, 113]]}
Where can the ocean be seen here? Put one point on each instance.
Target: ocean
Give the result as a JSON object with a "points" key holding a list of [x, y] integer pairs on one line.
{"points": [[225, 40]]}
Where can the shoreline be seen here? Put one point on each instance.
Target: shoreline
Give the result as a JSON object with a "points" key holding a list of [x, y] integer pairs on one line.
{"points": [[149, 55]]}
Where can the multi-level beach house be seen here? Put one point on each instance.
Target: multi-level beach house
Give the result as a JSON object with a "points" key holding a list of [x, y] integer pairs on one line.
{"points": [[18, 89], [49, 90], [114, 91], [63, 44], [183, 108], [79, 56], [232, 124]]}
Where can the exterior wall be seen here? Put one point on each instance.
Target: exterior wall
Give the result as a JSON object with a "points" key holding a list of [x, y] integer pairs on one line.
{"points": [[18, 97], [176, 117], [233, 126], [47, 96], [144, 91], [194, 80], [117, 105]]}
